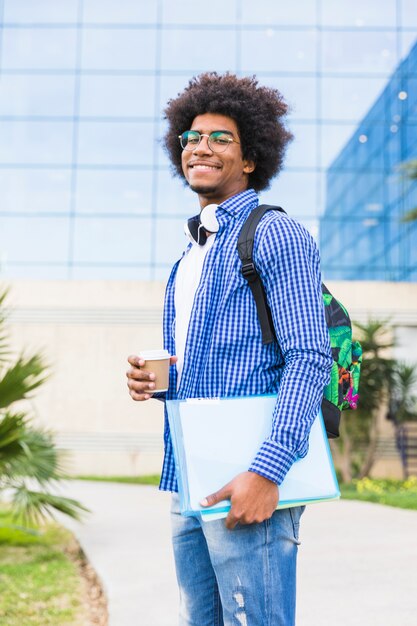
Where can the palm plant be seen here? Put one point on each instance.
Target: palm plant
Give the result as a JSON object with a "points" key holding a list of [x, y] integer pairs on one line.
{"points": [[30, 465], [403, 405]]}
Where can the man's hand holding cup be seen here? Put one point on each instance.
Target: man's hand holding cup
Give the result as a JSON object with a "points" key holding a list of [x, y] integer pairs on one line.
{"points": [[149, 373]]}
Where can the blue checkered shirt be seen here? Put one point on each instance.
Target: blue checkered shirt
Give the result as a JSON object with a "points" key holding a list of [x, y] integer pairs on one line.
{"points": [[224, 354]]}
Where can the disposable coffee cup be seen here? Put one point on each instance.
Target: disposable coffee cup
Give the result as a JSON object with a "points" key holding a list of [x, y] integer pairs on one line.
{"points": [[157, 361]]}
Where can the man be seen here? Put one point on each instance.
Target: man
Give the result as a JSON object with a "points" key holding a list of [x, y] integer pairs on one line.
{"points": [[227, 140]]}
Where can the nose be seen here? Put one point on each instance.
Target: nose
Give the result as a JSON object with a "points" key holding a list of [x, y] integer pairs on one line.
{"points": [[203, 147]]}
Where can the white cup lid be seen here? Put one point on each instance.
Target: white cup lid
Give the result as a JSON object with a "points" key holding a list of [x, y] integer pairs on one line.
{"points": [[154, 355]]}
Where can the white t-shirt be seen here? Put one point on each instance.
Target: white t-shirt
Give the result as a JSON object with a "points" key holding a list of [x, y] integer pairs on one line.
{"points": [[186, 283]]}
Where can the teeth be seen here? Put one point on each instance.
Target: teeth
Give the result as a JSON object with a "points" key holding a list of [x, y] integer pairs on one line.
{"points": [[204, 167]]}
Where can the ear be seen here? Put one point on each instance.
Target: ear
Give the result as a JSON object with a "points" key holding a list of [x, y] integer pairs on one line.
{"points": [[249, 166]]}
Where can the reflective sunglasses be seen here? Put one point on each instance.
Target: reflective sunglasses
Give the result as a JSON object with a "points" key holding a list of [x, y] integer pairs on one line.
{"points": [[217, 141]]}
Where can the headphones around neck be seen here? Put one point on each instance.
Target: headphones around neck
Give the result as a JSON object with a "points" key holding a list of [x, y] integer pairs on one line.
{"points": [[197, 227]]}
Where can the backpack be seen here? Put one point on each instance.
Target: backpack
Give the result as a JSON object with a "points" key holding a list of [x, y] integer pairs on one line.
{"points": [[342, 391]]}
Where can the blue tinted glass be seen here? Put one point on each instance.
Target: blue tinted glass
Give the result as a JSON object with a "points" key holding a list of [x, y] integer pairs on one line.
{"points": [[300, 93], [34, 239], [36, 95], [39, 48], [360, 52], [173, 198], [115, 143], [302, 151], [296, 192], [408, 13], [278, 50], [33, 190], [122, 11], [349, 98], [171, 240], [117, 96], [302, 12], [112, 240], [41, 11], [333, 139], [216, 50], [35, 142], [114, 192], [118, 49], [358, 13], [184, 12]]}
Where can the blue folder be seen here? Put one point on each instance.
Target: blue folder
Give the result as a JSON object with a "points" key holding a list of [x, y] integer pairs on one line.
{"points": [[216, 439]]}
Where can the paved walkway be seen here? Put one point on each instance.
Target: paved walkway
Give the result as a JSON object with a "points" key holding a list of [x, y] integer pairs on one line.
{"points": [[357, 563]]}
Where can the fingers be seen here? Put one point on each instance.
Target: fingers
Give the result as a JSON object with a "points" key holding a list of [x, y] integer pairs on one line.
{"points": [[139, 381]]}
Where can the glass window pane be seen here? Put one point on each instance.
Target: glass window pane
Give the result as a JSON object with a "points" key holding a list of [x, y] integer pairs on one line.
{"points": [[36, 95], [117, 96], [408, 13], [333, 139], [115, 143], [278, 51], [39, 48], [173, 197], [35, 142], [114, 192], [198, 50], [359, 13], [170, 87], [407, 41], [111, 240], [302, 12], [295, 192], [35, 190], [361, 52], [184, 12], [171, 240], [41, 11], [298, 92], [34, 239], [302, 151], [349, 98], [127, 11], [118, 49]]}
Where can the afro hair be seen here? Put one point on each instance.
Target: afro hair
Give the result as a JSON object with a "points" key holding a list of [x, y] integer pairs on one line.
{"points": [[257, 111]]}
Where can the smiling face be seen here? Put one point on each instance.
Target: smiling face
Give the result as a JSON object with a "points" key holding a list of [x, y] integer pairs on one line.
{"points": [[215, 176]]}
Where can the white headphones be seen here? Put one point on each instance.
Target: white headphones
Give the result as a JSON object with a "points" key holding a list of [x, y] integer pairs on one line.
{"points": [[196, 227]]}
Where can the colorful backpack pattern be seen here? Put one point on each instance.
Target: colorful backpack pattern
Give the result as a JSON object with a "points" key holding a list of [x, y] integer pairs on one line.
{"points": [[342, 391]]}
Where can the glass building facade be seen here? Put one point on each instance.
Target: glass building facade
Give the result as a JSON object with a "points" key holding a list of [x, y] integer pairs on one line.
{"points": [[363, 235], [85, 188]]}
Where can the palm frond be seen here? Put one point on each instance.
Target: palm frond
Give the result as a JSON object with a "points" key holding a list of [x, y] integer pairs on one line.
{"points": [[4, 344], [36, 506], [21, 378]]}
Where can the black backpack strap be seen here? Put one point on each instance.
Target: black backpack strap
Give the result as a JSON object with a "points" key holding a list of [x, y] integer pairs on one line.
{"points": [[249, 271]]}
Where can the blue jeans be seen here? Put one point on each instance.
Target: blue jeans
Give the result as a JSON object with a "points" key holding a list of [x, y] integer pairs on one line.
{"points": [[240, 577]]}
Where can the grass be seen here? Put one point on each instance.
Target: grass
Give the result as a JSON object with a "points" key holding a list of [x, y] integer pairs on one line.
{"points": [[39, 582], [150, 479], [397, 493]]}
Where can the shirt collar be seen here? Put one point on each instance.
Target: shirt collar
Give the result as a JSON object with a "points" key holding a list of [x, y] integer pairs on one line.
{"points": [[233, 205]]}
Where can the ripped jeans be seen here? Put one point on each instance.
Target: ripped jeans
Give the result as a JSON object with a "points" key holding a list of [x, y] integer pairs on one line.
{"points": [[240, 577]]}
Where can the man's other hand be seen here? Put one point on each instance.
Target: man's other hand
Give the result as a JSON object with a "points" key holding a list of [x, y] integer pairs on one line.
{"points": [[253, 499], [141, 384]]}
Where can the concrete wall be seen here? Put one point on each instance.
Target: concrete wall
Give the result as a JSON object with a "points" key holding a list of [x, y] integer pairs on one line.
{"points": [[87, 329]]}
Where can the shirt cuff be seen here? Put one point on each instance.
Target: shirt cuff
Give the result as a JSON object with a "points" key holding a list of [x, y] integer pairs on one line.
{"points": [[159, 395], [272, 461]]}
